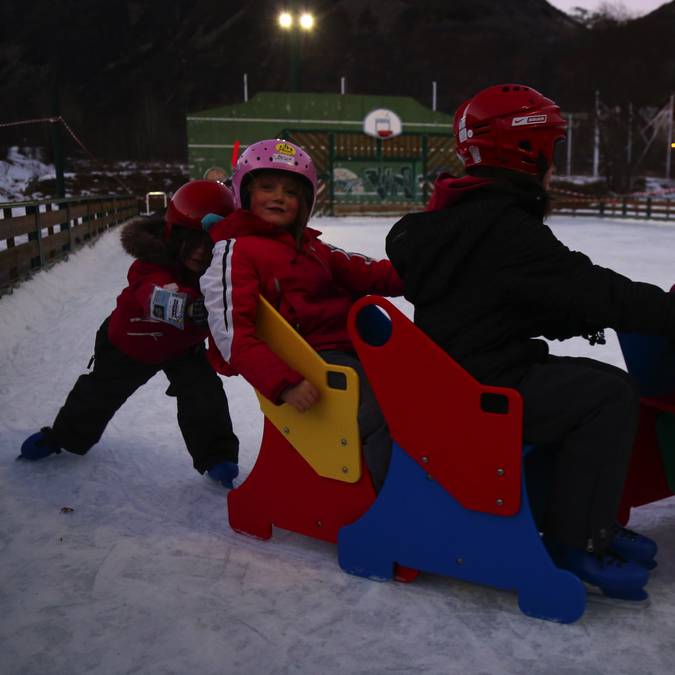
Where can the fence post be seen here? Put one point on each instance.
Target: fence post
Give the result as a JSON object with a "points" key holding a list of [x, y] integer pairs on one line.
{"points": [[425, 168], [602, 208], [89, 218], [649, 207], [331, 173], [69, 225], [38, 234], [624, 207], [13, 272]]}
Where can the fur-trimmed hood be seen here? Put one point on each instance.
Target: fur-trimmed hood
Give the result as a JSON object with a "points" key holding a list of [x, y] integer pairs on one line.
{"points": [[143, 238]]}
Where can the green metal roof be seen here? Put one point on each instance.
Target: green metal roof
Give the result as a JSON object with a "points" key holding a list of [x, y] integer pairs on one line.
{"points": [[212, 133]]}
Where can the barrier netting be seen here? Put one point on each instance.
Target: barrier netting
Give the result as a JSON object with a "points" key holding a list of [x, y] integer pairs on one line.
{"points": [[61, 120]]}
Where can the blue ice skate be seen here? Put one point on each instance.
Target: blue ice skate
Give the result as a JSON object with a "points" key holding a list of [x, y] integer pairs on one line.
{"points": [[39, 445]]}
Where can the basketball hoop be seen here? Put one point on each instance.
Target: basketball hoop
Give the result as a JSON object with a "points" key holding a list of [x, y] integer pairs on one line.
{"points": [[382, 123]]}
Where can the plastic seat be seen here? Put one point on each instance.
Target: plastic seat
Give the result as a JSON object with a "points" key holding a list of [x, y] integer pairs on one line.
{"points": [[650, 360], [308, 476], [454, 501]]}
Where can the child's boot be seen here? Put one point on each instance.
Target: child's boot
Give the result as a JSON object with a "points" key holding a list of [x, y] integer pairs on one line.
{"points": [[224, 473], [635, 547], [613, 575], [40, 445]]}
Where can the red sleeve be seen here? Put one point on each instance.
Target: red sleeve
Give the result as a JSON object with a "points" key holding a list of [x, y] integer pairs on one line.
{"points": [[145, 277], [215, 358], [231, 289], [362, 275]]}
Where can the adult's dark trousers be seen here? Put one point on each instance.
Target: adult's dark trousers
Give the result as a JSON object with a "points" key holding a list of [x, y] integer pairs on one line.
{"points": [[586, 413], [203, 412], [373, 427]]}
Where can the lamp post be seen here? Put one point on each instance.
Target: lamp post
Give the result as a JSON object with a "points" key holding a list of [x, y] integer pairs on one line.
{"points": [[294, 22], [671, 113]]}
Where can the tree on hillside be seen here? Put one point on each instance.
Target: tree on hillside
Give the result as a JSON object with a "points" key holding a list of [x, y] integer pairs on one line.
{"points": [[606, 14]]}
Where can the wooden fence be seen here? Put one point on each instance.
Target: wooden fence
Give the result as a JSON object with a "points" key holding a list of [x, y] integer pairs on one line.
{"points": [[615, 207], [36, 233]]}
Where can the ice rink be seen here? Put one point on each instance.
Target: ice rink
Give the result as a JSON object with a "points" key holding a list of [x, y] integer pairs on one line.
{"points": [[145, 576]]}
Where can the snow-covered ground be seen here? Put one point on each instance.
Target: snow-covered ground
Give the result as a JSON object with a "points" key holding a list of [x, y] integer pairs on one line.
{"points": [[145, 576]]}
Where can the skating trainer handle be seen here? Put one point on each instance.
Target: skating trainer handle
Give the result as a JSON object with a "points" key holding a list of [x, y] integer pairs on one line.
{"points": [[327, 435], [466, 436]]}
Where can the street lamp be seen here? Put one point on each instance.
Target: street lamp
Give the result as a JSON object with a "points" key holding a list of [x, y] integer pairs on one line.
{"points": [[306, 21], [286, 20], [291, 21]]}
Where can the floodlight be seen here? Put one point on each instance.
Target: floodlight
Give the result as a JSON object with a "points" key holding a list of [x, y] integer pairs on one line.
{"points": [[306, 21], [285, 20]]}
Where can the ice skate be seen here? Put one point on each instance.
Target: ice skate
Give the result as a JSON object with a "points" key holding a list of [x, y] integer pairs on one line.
{"points": [[39, 445]]}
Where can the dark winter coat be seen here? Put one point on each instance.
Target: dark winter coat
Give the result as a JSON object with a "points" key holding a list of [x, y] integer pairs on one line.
{"points": [[312, 285], [487, 277], [131, 328]]}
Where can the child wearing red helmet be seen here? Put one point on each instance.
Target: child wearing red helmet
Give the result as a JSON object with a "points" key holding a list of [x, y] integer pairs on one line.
{"points": [[487, 278], [265, 248], [159, 323]]}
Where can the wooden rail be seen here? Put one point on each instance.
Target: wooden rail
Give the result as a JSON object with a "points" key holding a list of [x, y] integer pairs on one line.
{"points": [[616, 207], [376, 208], [36, 233], [610, 207]]}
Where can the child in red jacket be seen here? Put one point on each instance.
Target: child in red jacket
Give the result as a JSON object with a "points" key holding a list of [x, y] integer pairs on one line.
{"points": [[159, 324], [265, 248]]}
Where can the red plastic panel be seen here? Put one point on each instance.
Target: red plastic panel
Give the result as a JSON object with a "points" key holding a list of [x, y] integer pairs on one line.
{"points": [[663, 403], [433, 408], [646, 481], [283, 490]]}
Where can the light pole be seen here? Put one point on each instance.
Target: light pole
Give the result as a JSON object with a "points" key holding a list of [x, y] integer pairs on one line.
{"points": [[671, 112], [293, 22]]}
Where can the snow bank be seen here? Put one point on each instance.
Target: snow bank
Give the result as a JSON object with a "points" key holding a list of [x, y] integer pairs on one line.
{"points": [[22, 166]]}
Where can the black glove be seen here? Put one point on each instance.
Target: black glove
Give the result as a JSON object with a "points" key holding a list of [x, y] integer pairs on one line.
{"points": [[196, 311]]}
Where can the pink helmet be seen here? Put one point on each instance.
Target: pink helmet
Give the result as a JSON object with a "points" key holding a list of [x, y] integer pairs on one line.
{"points": [[278, 155]]}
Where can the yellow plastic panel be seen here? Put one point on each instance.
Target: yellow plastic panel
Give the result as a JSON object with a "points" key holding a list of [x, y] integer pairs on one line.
{"points": [[327, 435]]}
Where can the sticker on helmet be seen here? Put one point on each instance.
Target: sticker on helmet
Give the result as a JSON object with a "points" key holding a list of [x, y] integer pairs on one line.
{"points": [[285, 149], [529, 120], [475, 154], [283, 159]]}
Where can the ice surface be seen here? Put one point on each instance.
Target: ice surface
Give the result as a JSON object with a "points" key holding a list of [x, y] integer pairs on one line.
{"points": [[144, 575]]}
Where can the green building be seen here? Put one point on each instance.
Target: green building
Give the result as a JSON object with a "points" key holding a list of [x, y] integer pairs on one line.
{"points": [[373, 154]]}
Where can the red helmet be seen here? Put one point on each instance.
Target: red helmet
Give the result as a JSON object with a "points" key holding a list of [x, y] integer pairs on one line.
{"points": [[509, 126], [194, 200]]}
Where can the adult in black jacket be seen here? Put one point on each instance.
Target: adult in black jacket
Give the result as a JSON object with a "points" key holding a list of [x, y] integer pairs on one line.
{"points": [[488, 278]]}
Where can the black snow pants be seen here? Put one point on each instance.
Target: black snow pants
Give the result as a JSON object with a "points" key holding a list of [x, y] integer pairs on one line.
{"points": [[203, 413], [583, 416], [372, 425]]}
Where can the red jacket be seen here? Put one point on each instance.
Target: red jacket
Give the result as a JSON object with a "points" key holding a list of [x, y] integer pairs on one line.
{"points": [[134, 332], [312, 286]]}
